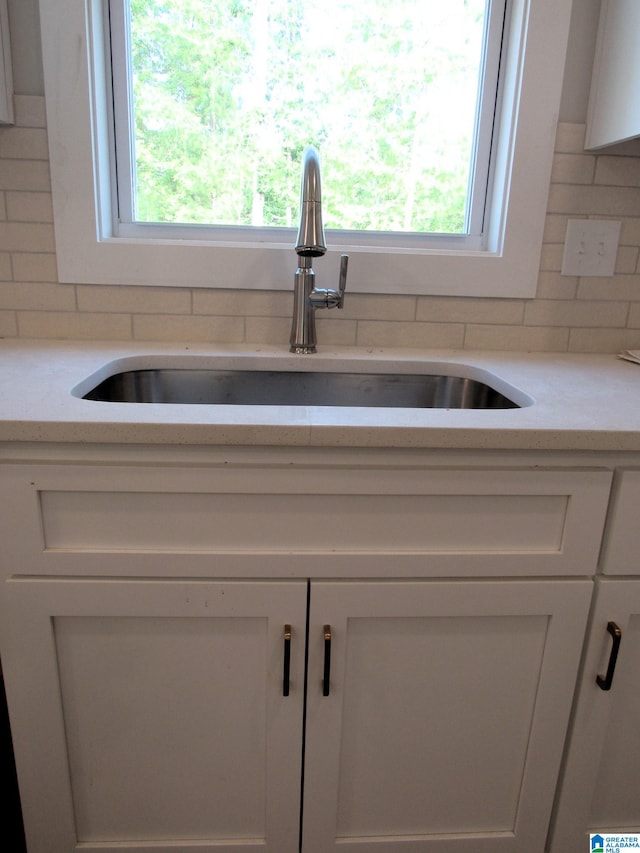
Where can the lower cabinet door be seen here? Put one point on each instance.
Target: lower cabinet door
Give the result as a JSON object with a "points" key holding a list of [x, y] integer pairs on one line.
{"points": [[600, 788], [437, 713], [151, 716]]}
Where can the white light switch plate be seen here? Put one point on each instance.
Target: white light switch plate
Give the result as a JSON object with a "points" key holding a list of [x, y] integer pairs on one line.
{"points": [[590, 247]]}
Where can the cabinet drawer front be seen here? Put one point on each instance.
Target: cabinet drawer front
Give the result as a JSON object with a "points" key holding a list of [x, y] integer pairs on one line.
{"points": [[621, 555], [488, 522]]}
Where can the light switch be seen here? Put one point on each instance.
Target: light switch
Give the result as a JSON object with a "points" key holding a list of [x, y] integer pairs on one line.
{"points": [[590, 247]]}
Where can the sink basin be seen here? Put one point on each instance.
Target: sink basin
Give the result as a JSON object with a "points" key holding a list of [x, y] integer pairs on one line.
{"points": [[298, 388]]}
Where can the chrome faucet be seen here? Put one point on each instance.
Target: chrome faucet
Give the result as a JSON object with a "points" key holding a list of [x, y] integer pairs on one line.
{"points": [[311, 244]]}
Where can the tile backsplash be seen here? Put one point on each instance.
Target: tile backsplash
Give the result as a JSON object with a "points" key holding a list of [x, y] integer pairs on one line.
{"points": [[568, 314]]}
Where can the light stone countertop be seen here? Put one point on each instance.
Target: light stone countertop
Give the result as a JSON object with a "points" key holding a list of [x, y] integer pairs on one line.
{"points": [[580, 402]]}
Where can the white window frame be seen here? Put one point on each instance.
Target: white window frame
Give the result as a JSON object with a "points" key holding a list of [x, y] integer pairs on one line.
{"points": [[79, 127]]}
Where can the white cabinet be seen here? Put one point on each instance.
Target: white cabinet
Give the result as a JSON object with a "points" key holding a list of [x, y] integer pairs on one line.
{"points": [[151, 714], [437, 619], [614, 106], [445, 716], [621, 552], [6, 73], [600, 789]]}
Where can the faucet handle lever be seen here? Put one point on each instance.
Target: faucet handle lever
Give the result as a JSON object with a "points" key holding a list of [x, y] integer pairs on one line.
{"points": [[328, 297], [342, 281]]}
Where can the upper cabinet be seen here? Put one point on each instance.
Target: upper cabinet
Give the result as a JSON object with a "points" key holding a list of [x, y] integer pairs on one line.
{"points": [[6, 75], [614, 105]]}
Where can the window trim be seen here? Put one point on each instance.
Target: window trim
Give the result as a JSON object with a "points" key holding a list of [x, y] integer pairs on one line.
{"points": [[78, 110]]}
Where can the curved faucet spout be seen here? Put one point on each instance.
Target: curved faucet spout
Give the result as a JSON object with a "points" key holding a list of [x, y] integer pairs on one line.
{"points": [[311, 244], [311, 241]]}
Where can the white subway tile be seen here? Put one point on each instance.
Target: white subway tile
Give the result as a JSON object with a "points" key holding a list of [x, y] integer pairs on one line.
{"points": [[29, 206], [394, 334], [554, 285], [469, 310], [603, 340], [268, 330], [575, 312], [27, 175], [24, 143], [594, 200], [5, 267], [616, 288], [37, 296], [134, 300], [555, 227], [332, 330], [630, 231], [8, 324], [367, 306], [162, 327], [573, 169], [528, 338], [634, 316], [627, 259], [32, 266], [243, 303], [73, 325], [26, 237], [618, 171], [551, 257]]}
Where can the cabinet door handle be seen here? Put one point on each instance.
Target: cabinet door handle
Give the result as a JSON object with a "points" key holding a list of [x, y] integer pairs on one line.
{"points": [[326, 678], [287, 660], [616, 634]]}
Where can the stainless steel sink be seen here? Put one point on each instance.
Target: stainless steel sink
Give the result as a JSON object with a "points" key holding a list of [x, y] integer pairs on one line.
{"points": [[298, 388]]}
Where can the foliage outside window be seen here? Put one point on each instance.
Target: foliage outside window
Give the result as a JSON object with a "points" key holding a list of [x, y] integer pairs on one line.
{"points": [[227, 93]]}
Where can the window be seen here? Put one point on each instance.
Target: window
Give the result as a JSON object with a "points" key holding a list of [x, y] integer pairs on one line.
{"points": [[387, 91], [122, 225]]}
